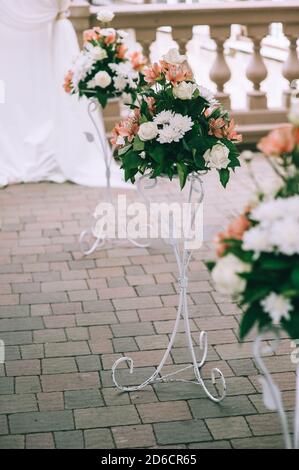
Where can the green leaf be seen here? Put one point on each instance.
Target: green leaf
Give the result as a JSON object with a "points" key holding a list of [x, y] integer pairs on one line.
{"points": [[157, 154], [183, 173], [131, 160], [138, 144], [275, 263], [247, 322], [124, 150], [210, 265], [224, 176], [295, 277]]}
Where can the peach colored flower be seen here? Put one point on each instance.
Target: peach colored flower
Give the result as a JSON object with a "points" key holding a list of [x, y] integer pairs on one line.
{"points": [[152, 74], [138, 60], [281, 140], [121, 51], [110, 39], [127, 128], [91, 35], [68, 82], [234, 230], [178, 73], [237, 227], [221, 128]]}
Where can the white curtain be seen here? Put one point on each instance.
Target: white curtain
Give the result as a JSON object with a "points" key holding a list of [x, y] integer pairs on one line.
{"points": [[42, 129]]}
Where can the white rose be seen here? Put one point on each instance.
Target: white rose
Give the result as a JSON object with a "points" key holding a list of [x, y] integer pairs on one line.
{"points": [[98, 53], [184, 91], [294, 112], [257, 239], [225, 275], [102, 79], [174, 57], [105, 15], [148, 131], [217, 156]]}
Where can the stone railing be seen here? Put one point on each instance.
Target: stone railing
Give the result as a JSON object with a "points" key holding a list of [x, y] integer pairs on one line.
{"points": [[257, 118]]}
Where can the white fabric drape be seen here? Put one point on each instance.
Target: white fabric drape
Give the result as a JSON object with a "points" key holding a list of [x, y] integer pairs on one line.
{"points": [[42, 129]]}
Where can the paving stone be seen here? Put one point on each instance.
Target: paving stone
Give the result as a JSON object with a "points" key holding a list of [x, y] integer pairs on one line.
{"points": [[83, 399], [227, 428], [12, 353], [69, 440], [32, 351], [185, 432], [29, 384], [77, 333], [73, 348], [52, 401], [264, 442], [98, 439], [231, 406], [79, 381], [96, 319], [41, 421], [3, 425], [88, 363], [23, 367], [124, 344], [136, 302], [59, 365], [17, 338], [132, 329], [159, 412], [14, 312], [114, 397], [60, 321], [20, 324], [17, 403], [12, 442], [211, 445], [49, 336], [243, 366], [106, 417], [133, 436], [6, 385], [40, 441]]}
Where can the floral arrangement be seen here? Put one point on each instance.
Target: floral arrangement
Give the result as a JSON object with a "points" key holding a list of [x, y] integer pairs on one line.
{"points": [[104, 69], [259, 252], [176, 127]]}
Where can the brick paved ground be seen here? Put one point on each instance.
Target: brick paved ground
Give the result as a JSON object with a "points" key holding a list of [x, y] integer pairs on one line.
{"points": [[65, 319]]}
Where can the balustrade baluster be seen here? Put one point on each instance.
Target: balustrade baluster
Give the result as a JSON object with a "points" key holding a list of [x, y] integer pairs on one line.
{"points": [[182, 36], [290, 69], [146, 37], [256, 70], [220, 71]]}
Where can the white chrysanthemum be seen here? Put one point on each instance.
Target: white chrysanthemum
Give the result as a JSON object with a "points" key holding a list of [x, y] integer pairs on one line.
{"points": [[258, 240], [269, 211], [182, 123], [168, 134], [225, 275], [163, 117], [277, 307], [107, 32], [284, 234]]}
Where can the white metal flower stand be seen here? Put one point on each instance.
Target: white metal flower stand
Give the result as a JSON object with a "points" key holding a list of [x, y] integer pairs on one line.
{"points": [[182, 256], [89, 242], [271, 394]]}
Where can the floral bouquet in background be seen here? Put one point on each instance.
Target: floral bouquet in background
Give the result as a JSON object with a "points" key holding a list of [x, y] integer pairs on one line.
{"points": [[104, 69], [259, 252], [176, 127]]}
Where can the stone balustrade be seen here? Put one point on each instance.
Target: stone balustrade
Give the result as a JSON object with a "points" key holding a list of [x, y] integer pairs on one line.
{"points": [[254, 17]]}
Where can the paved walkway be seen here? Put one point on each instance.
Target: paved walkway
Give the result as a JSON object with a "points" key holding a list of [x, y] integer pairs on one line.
{"points": [[65, 319]]}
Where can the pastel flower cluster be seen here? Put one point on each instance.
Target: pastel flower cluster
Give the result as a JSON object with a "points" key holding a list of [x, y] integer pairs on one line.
{"points": [[104, 69], [176, 126], [259, 251]]}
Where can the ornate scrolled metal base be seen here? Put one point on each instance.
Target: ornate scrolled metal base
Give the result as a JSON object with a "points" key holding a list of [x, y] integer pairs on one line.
{"points": [[182, 258], [271, 393]]}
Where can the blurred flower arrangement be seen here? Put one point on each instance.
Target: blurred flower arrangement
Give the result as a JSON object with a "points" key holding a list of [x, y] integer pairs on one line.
{"points": [[176, 127], [258, 254], [105, 69]]}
